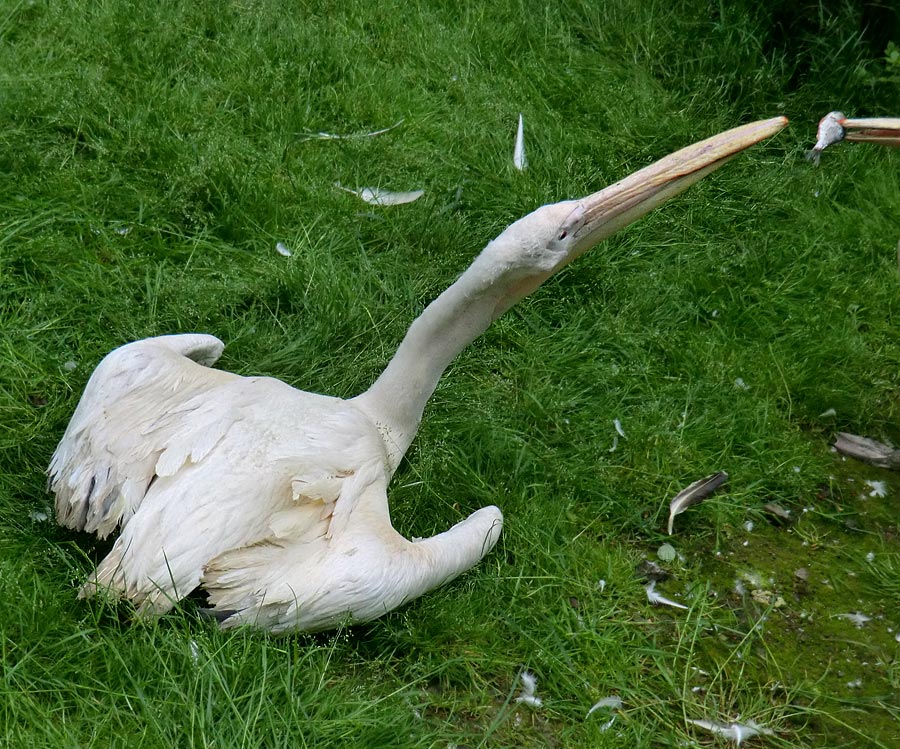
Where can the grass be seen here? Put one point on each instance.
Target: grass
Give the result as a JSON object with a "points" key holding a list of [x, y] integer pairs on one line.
{"points": [[151, 155]]}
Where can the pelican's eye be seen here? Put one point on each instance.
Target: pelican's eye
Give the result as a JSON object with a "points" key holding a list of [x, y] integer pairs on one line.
{"points": [[574, 221]]}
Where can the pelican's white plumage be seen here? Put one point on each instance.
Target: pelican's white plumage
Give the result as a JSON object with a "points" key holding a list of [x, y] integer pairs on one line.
{"points": [[274, 499], [249, 479]]}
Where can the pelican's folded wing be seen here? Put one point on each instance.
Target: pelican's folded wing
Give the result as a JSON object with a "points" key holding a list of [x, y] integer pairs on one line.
{"points": [[358, 570], [284, 585], [107, 458], [323, 562]]}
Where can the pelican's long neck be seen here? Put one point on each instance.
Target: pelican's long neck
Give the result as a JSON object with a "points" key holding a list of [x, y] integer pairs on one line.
{"points": [[516, 263], [490, 286]]}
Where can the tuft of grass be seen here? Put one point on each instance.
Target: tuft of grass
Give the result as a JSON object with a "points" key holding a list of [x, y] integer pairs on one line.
{"points": [[151, 156]]}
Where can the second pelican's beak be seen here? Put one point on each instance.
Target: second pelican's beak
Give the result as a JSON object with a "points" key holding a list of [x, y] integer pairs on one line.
{"points": [[607, 211], [884, 131]]}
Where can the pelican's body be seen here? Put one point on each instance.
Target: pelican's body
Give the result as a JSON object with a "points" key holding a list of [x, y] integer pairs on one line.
{"points": [[245, 478], [274, 499]]}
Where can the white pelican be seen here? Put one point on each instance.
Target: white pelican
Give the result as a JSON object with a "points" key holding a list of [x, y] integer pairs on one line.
{"points": [[274, 499]]}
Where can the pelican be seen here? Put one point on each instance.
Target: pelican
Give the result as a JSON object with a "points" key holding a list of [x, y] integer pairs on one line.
{"points": [[836, 126], [274, 500]]}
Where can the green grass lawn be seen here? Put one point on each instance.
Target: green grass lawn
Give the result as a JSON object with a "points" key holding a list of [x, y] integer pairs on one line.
{"points": [[153, 154]]}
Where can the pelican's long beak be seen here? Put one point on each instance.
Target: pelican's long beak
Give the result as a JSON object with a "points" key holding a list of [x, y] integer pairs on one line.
{"points": [[618, 205], [884, 131]]}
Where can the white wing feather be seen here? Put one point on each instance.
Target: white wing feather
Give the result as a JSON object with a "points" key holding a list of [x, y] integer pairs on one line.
{"points": [[107, 458]]}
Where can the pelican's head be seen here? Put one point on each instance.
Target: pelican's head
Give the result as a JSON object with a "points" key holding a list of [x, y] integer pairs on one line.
{"points": [[538, 245]]}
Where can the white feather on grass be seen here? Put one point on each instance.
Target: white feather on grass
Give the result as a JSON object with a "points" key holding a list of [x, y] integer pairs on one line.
{"points": [[350, 136], [282, 249], [657, 600], [377, 196], [611, 704], [520, 160], [529, 685], [529, 682], [736, 732], [856, 618], [617, 425]]}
